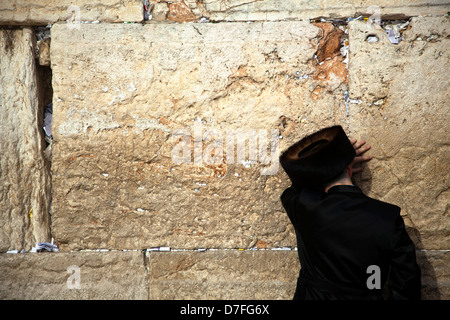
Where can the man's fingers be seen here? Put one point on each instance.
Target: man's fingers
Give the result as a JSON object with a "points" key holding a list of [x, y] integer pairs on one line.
{"points": [[358, 145], [362, 159], [356, 170], [361, 150]]}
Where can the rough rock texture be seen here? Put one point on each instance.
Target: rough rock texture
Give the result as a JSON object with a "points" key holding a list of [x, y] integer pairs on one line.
{"points": [[43, 12], [126, 176], [122, 94], [77, 275], [403, 109], [24, 174], [179, 12], [225, 275], [271, 10], [44, 52]]}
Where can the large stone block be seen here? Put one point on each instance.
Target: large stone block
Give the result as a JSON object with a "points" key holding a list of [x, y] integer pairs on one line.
{"points": [[73, 275], [401, 106], [227, 275], [276, 10], [43, 12], [24, 174], [145, 119]]}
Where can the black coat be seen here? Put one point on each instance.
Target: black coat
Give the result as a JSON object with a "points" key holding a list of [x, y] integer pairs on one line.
{"points": [[340, 235]]}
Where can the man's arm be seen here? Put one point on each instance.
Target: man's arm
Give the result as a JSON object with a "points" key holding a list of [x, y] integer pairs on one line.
{"points": [[405, 276], [288, 202]]}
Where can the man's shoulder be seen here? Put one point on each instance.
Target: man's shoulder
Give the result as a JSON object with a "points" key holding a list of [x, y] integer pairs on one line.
{"points": [[296, 192], [314, 196], [385, 204], [387, 211], [355, 192]]}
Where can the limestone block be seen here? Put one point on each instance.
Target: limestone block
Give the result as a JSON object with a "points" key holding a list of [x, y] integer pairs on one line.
{"points": [[276, 10], [160, 11], [43, 12], [73, 276], [44, 52], [180, 12], [24, 174], [145, 119], [401, 106], [227, 275]]}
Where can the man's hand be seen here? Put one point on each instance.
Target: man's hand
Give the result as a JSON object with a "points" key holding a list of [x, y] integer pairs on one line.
{"points": [[360, 149]]}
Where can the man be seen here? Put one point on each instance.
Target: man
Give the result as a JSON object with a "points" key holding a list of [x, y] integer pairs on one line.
{"points": [[350, 246]]}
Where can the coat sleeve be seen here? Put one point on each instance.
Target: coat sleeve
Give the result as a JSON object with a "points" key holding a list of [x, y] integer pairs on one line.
{"points": [[288, 201], [405, 275]]}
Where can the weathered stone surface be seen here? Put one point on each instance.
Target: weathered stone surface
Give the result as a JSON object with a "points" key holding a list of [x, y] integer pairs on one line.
{"points": [[121, 92], [179, 12], [404, 112], [159, 11], [224, 274], [24, 174], [228, 275], [271, 10], [77, 275], [44, 52], [43, 12]]}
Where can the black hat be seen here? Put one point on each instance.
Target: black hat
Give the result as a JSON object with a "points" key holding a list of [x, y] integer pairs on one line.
{"points": [[318, 158]]}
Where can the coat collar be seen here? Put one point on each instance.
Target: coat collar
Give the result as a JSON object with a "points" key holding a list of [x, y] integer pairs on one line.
{"points": [[344, 188]]}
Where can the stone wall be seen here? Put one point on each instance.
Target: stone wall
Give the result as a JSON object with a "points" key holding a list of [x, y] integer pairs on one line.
{"points": [[402, 105], [25, 190], [168, 120], [44, 12]]}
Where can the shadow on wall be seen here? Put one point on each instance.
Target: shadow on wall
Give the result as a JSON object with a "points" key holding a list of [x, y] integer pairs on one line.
{"points": [[430, 287]]}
